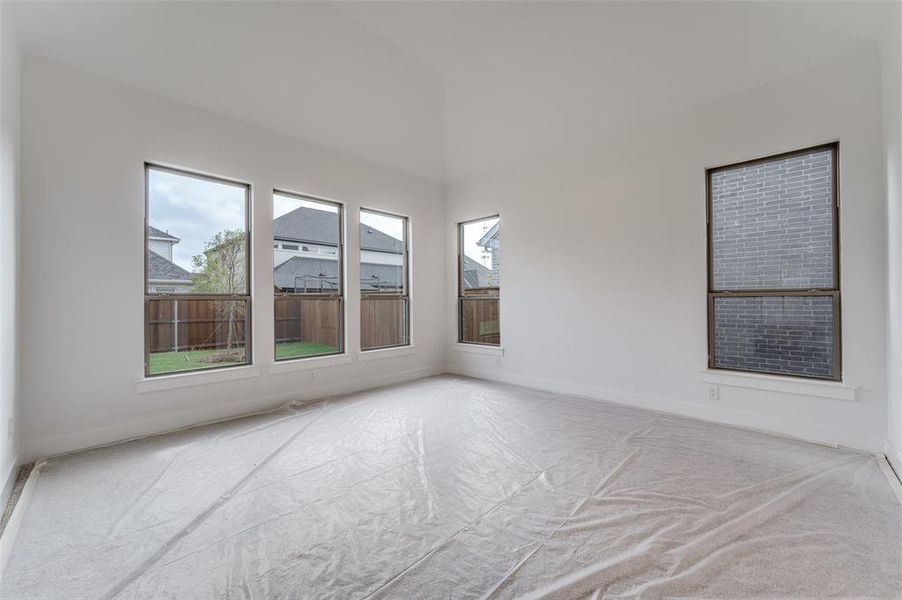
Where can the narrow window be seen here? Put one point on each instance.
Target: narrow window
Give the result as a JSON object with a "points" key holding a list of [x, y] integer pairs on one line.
{"points": [[773, 265], [479, 281], [197, 272], [384, 281], [309, 291]]}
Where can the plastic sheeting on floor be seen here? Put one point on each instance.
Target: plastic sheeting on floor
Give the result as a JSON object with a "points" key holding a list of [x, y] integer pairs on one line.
{"points": [[456, 488]]}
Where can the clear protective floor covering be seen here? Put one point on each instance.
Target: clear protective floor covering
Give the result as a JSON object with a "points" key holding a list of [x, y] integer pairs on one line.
{"points": [[456, 488]]}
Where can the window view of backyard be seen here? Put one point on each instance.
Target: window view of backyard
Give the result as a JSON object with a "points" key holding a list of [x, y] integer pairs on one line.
{"points": [[480, 282], [384, 301], [307, 276], [196, 272]]}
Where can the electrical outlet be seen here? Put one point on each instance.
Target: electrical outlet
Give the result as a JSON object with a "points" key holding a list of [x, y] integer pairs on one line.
{"points": [[312, 375], [713, 392]]}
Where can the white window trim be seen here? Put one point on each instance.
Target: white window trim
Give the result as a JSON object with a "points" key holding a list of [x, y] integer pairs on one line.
{"points": [[478, 349], [308, 362], [835, 390], [178, 380], [377, 353]]}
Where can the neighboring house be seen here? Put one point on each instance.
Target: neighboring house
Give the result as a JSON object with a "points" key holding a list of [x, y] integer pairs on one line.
{"points": [[305, 254], [476, 275], [163, 275], [491, 241]]}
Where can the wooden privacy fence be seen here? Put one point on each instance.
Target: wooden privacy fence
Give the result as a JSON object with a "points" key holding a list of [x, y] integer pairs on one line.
{"points": [[479, 320], [196, 324], [384, 321], [308, 320]]}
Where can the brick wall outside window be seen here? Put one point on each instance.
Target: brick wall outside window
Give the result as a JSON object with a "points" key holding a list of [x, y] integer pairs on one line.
{"points": [[772, 228]]}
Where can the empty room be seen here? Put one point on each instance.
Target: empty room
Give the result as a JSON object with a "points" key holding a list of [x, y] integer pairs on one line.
{"points": [[428, 299]]}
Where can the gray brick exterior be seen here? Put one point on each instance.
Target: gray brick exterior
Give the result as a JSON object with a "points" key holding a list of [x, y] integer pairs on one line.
{"points": [[772, 228], [790, 334], [772, 224]]}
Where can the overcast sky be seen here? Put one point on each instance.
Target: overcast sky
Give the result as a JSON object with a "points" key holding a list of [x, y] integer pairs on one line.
{"points": [[194, 210], [473, 232]]}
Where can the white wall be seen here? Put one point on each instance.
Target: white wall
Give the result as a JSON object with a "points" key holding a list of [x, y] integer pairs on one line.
{"points": [[891, 55], [161, 247], [9, 244], [84, 143], [604, 257]]}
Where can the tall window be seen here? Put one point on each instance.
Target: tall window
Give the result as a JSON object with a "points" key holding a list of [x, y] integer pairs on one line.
{"points": [[197, 272], [479, 281], [309, 288], [384, 281], [773, 265]]}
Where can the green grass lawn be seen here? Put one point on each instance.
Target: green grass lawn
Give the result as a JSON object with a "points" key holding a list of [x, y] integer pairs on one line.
{"points": [[173, 362], [301, 349]]}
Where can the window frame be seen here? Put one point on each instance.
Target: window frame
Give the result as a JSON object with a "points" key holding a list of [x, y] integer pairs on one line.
{"points": [[461, 297], [834, 292], [248, 260], [341, 293], [405, 294]]}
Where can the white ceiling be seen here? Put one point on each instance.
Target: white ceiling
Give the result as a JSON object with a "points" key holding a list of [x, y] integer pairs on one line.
{"points": [[448, 90]]}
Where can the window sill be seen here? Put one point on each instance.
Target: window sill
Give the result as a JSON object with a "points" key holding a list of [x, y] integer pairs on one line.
{"points": [[478, 349], [835, 390], [378, 353], [303, 364], [178, 380]]}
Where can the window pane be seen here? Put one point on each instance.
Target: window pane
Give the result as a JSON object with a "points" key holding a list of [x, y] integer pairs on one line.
{"points": [[196, 235], [307, 326], [479, 321], [791, 335], [314, 224], [384, 321], [481, 255], [384, 311], [186, 335], [772, 224], [382, 260]]}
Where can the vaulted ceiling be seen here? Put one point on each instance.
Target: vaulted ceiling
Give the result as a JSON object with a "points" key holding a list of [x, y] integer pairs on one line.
{"points": [[448, 90]]}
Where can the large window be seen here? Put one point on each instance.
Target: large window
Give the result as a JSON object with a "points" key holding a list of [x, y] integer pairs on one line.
{"points": [[309, 289], [773, 265], [479, 281], [197, 272], [384, 281]]}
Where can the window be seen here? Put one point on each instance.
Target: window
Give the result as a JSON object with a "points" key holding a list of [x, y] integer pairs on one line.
{"points": [[309, 291], [773, 265], [384, 281], [197, 272], [479, 281]]}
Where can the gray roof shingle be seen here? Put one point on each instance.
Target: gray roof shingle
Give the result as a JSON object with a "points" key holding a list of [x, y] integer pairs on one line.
{"points": [[320, 227], [156, 233], [321, 274], [160, 269], [476, 275]]}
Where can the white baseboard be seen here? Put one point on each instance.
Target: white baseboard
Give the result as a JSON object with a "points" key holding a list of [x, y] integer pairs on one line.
{"points": [[820, 434], [122, 432], [15, 519], [10, 479], [894, 457]]}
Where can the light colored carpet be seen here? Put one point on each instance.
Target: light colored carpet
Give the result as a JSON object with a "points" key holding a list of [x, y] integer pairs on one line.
{"points": [[456, 488]]}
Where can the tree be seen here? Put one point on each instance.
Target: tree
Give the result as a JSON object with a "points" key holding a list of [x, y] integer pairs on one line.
{"points": [[221, 269]]}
